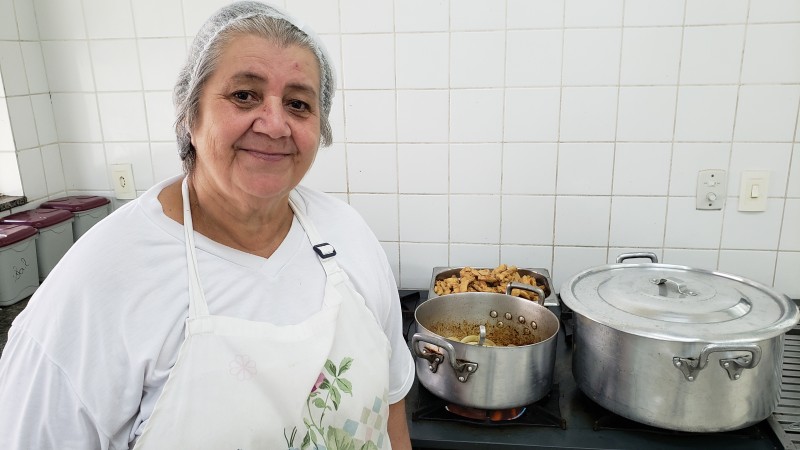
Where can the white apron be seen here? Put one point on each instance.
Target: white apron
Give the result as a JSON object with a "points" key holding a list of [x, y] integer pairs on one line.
{"points": [[244, 385]]}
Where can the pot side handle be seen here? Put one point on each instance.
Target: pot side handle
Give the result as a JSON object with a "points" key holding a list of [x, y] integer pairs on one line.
{"points": [[690, 367], [527, 287], [463, 369], [649, 255]]}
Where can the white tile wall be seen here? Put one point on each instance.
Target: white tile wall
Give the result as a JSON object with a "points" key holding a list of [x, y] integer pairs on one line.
{"points": [[701, 259], [53, 169], [368, 61], [422, 115], [529, 168], [531, 115], [774, 11], [423, 218], [160, 115], [8, 21], [23, 124], [793, 187], [646, 13], [26, 20], [755, 265], [712, 55], [372, 167], [555, 133], [69, 66], [753, 231], [637, 221], [160, 60], [646, 113], [591, 56], [475, 168], [34, 67], [582, 221], [585, 169], [786, 279], [588, 113], [790, 238], [705, 113], [527, 219], [108, 19], [12, 69], [533, 57], [642, 169], [122, 116], [475, 219], [329, 172], [770, 54], [477, 59], [116, 65], [765, 113], [422, 60], [650, 55]]}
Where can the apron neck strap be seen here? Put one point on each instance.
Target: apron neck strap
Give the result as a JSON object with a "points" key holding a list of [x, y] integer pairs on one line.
{"points": [[325, 251], [197, 299]]}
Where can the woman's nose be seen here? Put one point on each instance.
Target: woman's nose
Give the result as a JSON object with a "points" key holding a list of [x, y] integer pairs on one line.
{"points": [[272, 119]]}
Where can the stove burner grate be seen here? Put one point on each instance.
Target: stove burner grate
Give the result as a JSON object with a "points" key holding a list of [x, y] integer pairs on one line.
{"points": [[544, 413], [603, 419]]}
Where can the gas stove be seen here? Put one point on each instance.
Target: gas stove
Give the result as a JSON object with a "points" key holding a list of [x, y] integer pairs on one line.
{"points": [[565, 419]]}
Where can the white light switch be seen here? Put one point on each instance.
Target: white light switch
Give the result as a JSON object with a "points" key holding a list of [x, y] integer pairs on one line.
{"points": [[122, 179], [753, 193], [711, 188]]}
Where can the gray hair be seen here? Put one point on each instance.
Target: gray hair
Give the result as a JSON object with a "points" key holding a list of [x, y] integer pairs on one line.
{"points": [[246, 17]]}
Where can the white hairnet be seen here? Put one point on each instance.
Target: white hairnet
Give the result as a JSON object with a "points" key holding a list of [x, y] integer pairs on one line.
{"points": [[245, 17]]}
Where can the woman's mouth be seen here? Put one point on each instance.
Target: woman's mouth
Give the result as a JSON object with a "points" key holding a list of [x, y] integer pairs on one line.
{"points": [[267, 156]]}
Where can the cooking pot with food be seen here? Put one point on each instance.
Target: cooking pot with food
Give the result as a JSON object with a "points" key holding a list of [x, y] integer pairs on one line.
{"points": [[507, 355], [676, 347]]}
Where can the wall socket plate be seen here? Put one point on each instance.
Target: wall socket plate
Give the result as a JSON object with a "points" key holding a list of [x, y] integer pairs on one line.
{"points": [[753, 190], [122, 180], [712, 186]]}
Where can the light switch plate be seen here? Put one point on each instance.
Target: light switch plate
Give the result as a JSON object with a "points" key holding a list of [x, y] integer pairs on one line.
{"points": [[753, 191], [711, 189], [122, 179]]}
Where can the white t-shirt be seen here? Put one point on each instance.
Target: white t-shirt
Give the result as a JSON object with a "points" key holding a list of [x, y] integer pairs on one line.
{"points": [[88, 357]]}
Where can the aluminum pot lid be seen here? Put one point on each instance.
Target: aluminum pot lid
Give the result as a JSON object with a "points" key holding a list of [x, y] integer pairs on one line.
{"points": [[680, 303]]}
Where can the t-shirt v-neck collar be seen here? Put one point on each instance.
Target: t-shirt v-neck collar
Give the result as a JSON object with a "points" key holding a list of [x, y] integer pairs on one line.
{"points": [[272, 265]]}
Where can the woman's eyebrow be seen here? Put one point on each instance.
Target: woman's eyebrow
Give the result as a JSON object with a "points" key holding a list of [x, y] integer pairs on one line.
{"points": [[246, 76], [252, 76]]}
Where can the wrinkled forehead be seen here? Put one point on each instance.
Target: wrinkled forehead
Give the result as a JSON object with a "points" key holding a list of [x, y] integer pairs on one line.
{"points": [[251, 57]]}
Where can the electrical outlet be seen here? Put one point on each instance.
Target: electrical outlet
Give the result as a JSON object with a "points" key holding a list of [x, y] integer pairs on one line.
{"points": [[122, 179], [711, 189]]}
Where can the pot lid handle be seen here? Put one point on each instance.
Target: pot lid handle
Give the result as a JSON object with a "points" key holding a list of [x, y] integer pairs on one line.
{"points": [[649, 255], [678, 284]]}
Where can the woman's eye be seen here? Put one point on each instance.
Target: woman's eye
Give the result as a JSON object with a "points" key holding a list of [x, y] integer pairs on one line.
{"points": [[298, 105], [242, 96]]}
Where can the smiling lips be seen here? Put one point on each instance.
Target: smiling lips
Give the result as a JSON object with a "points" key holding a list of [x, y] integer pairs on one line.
{"points": [[266, 156]]}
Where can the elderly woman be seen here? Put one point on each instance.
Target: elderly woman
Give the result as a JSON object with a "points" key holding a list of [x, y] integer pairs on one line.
{"points": [[230, 308]]}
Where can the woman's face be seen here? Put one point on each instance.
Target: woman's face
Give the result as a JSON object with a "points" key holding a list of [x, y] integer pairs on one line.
{"points": [[258, 127]]}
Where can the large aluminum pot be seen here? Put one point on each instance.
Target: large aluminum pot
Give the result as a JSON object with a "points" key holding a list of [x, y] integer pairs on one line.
{"points": [[676, 347], [480, 376]]}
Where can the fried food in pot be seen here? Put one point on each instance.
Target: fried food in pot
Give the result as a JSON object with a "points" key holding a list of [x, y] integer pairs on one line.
{"points": [[486, 280]]}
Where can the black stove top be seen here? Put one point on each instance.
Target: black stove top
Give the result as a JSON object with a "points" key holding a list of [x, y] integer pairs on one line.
{"points": [[565, 419]]}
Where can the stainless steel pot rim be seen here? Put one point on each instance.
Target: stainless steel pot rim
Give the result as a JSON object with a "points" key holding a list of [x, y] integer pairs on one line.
{"points": [[485, 296], [679, 303], [460, 345]]}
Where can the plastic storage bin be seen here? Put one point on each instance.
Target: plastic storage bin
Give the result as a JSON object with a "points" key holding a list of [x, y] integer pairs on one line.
{"points": [[55, 234], [88, 210], [19, 274]]}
